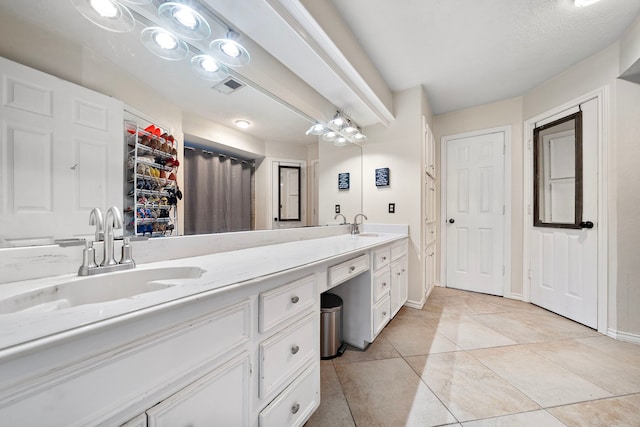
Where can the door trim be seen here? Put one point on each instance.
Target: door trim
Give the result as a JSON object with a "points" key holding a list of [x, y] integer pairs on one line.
{"points": [[506, 130], [602, 97]]}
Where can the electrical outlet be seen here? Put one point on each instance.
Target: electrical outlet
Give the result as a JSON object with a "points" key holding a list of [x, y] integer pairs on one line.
{"points": [[337, 208], [392, 208]]}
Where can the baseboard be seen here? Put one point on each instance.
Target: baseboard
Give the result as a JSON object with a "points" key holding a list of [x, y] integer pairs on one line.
{"points": [[419, 304], [416, 304], [624, 336]]}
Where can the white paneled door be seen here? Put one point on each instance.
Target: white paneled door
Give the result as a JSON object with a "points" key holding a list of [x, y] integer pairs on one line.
{"points": [[61, 154], [564, 261], [475, 213]]}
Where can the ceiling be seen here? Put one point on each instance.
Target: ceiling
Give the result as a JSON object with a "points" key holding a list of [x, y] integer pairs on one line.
{"points": [[468, 53]]}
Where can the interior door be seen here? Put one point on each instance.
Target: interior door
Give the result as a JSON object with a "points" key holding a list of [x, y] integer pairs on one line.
{"points": [[475, 213], [564, 263], [61, 154]]}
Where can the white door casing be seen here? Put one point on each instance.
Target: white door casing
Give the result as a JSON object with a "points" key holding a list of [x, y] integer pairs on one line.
{"points": [[274, 193], [564, 262], [476, 244]]}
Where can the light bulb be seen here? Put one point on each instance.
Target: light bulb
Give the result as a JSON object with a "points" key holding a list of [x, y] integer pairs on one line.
{"points": [[582, 3], [185, 16], [230, 48], [242, 124], [105, 8], [165, 40], [209, 64], [350, 130], [329, 136]]}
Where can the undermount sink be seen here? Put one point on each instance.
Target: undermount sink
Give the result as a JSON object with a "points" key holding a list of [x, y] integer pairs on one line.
{"points": [[95, 289], [368, 235]]}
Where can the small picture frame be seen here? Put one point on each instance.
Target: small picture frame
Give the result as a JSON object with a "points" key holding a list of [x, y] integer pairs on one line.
{"points": [[343, 181], [382, 177]]}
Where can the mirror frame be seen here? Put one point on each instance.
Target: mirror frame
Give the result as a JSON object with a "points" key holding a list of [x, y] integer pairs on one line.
{"points": [[537, 152], [299, 217]]}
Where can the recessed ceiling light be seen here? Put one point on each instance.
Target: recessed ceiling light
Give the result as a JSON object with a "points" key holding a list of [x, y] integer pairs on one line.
{"points": [[105, 8], [164, 44], [583, 3], [243, 124]]}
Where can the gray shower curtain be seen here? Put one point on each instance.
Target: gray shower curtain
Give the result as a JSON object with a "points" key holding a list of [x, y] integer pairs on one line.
{"points": [[217, 193]]}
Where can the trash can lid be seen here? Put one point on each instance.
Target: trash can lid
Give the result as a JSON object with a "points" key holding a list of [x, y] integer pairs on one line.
{"points": [[330, 301]]}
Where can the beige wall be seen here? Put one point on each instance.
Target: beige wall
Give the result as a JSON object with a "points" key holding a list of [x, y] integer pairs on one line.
{"points": [[496, 114], [399, 147], [335, 160]]}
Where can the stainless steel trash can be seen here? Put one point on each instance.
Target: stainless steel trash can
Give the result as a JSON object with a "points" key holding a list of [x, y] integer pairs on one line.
{"points": [[330, 326]]}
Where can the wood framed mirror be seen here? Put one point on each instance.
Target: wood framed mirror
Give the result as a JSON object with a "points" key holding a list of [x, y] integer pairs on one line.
{"points": [[557, 165]]}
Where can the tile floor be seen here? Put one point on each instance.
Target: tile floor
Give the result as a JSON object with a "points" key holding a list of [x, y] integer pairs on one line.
{"points": [[470, 359]]}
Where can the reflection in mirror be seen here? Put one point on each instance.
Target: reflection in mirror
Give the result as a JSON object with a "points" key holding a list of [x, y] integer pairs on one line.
{"points": [[289, 193], [557, 162], [52, 37]]}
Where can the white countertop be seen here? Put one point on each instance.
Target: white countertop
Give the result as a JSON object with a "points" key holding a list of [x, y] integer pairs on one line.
{"points": [[221, 271]]}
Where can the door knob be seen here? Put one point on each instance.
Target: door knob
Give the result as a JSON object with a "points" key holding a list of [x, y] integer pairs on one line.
{"points": [[586, 224], [451, 221]]}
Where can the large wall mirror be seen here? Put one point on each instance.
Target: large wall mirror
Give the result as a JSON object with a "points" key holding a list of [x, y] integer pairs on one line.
{"points": [[54, 38], [557, 162]]}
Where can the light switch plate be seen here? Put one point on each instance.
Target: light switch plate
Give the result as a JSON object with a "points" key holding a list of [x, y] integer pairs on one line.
{"points": [[337, 208], [392, 208]]}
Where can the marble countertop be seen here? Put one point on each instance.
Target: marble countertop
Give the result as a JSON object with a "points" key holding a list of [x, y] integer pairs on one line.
{"points": [[220, 272]]}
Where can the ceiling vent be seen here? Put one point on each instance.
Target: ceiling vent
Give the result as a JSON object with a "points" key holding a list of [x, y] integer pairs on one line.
{"points": [[228, 86]]}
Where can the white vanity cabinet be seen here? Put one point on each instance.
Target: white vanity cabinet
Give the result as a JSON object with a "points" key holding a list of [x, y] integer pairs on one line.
{"points": [[371, 299]]}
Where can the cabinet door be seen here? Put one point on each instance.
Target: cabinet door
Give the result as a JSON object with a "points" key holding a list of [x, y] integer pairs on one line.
{"points": [[219, 398], [430, 267], [399, 285], [139, 421]]}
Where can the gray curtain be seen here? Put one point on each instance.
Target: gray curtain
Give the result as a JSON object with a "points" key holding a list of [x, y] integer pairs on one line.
{"points": [[217, 193]]}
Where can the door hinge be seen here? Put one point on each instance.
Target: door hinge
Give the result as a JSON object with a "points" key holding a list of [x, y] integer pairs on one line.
{"points": [[529, 210], [250, 368], [529, 274], [529, 144]]}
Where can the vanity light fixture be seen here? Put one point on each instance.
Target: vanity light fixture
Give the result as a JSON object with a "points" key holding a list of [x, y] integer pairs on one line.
{"points": [[208, 68], [243, 124], [164, 44], [184, 21], [340, 130], [229, 51], [583, 3], [107, 14], [136, 2]]}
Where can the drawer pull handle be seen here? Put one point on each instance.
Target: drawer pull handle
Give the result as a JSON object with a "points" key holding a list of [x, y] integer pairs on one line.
{"points": [[384, 258], [384, 313], [398, 274], [295, 408], [384, 284], [403, 270], [352, 268], [295, 349], [295, 300]]}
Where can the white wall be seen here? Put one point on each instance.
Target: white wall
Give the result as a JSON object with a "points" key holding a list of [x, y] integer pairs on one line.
{"points": [[399, 147], [502, 113]]}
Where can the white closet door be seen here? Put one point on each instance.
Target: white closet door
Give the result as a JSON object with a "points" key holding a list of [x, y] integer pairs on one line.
{"points": [[61, 154], [475, 213]]}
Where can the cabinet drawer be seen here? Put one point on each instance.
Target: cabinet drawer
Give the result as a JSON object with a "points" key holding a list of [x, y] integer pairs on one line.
{"points": [[220, 395], [381, 314], [381, 258], [294, 405], [381, 284], [282, 303], [348, 269], [286, 352], [399, 250]]}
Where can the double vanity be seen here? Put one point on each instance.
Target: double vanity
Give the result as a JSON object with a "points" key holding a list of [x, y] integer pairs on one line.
{"points": [[231, 336]]}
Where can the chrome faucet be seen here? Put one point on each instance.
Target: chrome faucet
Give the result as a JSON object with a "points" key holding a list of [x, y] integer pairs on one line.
{"points": [[344, 219], [113, 219], [354, 226], [104, 231]]}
